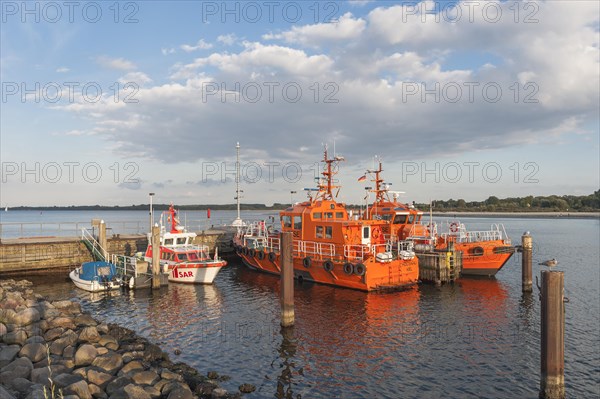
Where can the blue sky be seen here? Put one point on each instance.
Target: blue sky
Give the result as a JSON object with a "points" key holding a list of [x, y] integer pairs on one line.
{"points": [[502, 101]]}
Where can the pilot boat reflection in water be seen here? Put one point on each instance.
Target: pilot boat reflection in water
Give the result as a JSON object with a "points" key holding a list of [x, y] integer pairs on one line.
{"points": [[329, 247], [184, 261]]}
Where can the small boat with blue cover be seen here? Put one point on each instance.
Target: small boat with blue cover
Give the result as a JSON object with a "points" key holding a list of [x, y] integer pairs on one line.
{"points": [[96, 277]]}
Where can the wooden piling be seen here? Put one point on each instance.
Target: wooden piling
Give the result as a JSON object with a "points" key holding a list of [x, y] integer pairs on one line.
{"points": [[155, 257], [102, 240], [527, 245], [287, 280], [552, 383]]}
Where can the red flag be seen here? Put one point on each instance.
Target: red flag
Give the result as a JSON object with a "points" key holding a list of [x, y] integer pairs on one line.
{"points": [[362, 178]]}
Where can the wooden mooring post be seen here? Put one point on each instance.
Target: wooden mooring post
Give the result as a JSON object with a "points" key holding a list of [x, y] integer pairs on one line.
{"points": [[155, 257], [102, 240], [527, 245], [287, 280], [552, 379]]}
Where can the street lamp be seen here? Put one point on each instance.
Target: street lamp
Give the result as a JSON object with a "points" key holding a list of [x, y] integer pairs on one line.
{"points": [[151, 213]]}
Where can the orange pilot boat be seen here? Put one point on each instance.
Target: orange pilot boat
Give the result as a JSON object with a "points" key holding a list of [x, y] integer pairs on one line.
{"points": [[484, 252], [184, 261], [329, 247]]}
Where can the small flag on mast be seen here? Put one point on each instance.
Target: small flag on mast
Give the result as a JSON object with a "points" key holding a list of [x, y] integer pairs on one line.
{"points": [[362, 178]]}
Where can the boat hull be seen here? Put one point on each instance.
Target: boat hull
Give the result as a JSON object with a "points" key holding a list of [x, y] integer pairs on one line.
{"points": [[94, 285], [484, 259], [378, 276], [203, 273]]}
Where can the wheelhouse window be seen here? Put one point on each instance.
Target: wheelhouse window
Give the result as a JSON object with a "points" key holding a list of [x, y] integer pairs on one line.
{"points": [[386, 217], [339, 215], [328, 215], [182, 257], [287, 221], [297, 222], [366, 232], [400, 219], [411, 219], [317, 215], [181, 240], [168, 241], [328, 232], [319, 232], [192, 256]]}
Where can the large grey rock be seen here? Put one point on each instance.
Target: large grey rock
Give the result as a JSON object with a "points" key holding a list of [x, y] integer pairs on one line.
{"points": [[116, 384], [27, 317], [97, 392], [65, 379], [18, 368], [35, 339], [34, 352], [61, 321], [85, 355], [20, 385], [85, 320], [111, 362], [53, 333], [99, 378], [8, 354], [131, 366], [109, 342], [217, 393], [182, 392], [58, 346], [15, 337], [7, 316], [153, 392], [4, 394], [147, 377], [89, 334], [3, 331], [136, 392], [79, 388]]}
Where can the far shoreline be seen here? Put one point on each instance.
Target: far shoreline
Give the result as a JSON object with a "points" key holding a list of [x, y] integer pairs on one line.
{"points": [[521, 215]]}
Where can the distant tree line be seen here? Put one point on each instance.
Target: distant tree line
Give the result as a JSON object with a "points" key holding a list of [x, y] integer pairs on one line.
{"points": [[552, 203]]}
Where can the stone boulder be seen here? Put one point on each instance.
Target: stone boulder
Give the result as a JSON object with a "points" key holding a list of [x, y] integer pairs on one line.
{"points": [[27, 317], [110, 363], [85, 355], [34, 352]]}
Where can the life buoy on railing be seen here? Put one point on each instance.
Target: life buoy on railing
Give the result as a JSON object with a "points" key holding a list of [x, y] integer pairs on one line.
{"points": [[306, 262], [453, 227], [245, 250], [360, 269], [376, 233], [272, 256], [252, 252], [260, 255], [328, 265], [348, 268]]}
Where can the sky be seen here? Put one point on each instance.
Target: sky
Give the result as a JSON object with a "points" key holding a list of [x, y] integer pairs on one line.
{"points": [[105, 102]]}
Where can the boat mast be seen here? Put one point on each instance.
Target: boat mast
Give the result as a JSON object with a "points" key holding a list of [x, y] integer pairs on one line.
{"points": [[238, 221], [326, 188]]}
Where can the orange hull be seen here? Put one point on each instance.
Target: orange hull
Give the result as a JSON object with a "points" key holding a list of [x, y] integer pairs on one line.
{"points": [[394, 275], [484, 258]]}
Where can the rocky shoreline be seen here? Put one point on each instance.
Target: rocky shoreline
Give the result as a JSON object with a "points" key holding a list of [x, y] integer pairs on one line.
{"points": [[54, 350]]}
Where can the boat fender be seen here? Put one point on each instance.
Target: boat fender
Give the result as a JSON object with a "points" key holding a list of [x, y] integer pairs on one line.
{"points": [[272, 256], [245, 250], [328, 265], [306, 262], [348, 268], [252, 252], [359, 269], [260, 255]]}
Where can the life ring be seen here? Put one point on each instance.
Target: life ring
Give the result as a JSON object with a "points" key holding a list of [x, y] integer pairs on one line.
{"points": [[360, 269], [260, 255], [376, 233], [306, 262], [454, 227], [348, 268], [328, 265], [252, 252], [272, 256], [477, 251], [245, 250]]}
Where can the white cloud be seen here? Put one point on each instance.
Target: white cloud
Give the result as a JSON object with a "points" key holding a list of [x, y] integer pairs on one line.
{"points": [[62, 70], [201, 45], [347, 27], [167, 51], [139, 78], [115, 63], [227, 40]]}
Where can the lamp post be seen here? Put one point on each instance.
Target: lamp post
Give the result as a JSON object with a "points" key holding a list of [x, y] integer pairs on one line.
{"points": [[151, 211], [292, 197]]}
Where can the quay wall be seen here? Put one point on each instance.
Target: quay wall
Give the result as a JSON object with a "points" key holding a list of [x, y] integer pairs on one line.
{"points": [[43, 255]]}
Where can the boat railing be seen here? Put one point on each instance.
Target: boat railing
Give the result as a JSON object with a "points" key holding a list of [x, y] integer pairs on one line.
{"points": [[474, 236], [93, 245], [320, 250], [128, 266], [357, 252]]}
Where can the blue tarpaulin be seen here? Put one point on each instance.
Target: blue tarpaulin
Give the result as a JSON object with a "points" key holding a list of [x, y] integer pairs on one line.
{"points": [[90, 270]]}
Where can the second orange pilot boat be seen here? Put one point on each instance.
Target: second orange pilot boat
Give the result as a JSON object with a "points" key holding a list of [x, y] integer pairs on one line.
{"points": [[328, 246]]}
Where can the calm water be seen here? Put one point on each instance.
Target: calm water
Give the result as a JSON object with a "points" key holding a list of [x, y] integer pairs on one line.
{"points": [[476, 338]]}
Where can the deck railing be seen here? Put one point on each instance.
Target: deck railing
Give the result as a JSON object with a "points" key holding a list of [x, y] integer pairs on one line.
{"points": [[65, 229]]}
